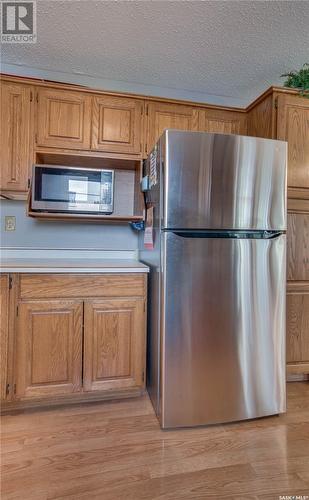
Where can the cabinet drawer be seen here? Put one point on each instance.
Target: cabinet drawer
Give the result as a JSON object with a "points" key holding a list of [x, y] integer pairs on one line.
{"points": [[37, 286]]}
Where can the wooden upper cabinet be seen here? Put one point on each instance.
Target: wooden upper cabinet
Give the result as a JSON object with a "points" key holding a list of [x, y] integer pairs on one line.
{"points": [[222, 122], [293, 126], [49, 348], [16, 135], [260, 119], [63, 119], [162, 115], [114, 344], [117, 125], [4, 332]]}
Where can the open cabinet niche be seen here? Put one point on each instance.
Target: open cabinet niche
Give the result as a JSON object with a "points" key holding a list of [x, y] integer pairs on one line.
{"points": [[128, 199]]}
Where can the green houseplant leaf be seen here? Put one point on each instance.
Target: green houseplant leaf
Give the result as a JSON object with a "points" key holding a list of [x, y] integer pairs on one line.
{"points": [[298, 80]]}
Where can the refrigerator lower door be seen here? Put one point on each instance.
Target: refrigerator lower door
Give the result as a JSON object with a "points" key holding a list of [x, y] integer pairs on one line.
{"points": [[222, 330]]}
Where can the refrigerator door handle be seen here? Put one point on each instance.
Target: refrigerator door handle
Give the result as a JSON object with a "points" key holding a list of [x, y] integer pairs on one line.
{"points": [[229, 234]]}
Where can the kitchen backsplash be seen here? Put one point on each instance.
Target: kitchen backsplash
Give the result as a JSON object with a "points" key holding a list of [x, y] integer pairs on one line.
{"points": [[32, 233]]}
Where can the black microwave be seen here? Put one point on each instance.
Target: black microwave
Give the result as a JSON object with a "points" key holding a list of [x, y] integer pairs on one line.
{"points": [[72, 189]]}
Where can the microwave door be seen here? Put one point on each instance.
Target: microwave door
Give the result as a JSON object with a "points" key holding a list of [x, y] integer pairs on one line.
{"points": [[84, 193], [70, 189], [59, 189]]}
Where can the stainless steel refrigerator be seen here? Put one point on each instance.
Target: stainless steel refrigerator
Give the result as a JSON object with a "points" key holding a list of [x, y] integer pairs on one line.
{"points": [[216, 319]]}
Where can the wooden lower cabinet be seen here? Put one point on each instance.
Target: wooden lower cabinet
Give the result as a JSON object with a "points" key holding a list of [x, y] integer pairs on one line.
{"points": [[298, 327], [75, 337], [49, 348], [114, 344]]}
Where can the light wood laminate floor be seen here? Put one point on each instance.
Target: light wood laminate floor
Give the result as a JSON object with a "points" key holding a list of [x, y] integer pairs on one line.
{"points": [[116, 450]]}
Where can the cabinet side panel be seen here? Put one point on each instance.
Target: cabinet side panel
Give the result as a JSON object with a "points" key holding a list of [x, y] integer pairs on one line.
{"points": [[260, 119], [4, 329]]}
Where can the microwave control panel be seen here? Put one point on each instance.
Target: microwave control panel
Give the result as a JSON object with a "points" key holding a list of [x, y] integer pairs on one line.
{"points": [[107, 191]]}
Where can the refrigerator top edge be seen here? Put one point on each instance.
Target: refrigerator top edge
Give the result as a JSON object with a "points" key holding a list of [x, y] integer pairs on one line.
{"points": [[221, 181], [172, 131]]}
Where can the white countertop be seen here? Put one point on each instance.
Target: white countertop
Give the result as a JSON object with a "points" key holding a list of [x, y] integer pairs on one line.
{"points": [[47, 265]]}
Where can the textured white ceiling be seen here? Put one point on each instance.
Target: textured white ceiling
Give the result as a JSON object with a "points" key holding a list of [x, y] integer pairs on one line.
{"points": [[217, 51]]}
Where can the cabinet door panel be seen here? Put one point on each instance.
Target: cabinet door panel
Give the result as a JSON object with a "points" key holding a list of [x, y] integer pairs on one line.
{"points": [[164, 115], [4, 332], [63, 119], [16, 136], [222, 122], [298, 327], [293, 126], [298, 247], [49, 348], [114, 344], [117, 125]]}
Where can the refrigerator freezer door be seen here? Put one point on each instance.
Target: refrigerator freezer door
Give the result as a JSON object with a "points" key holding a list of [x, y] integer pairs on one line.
{"points": [[223, 329], [215, 181]]}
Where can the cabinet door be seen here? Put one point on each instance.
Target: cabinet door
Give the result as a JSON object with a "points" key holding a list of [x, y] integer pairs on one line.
{"points": [[163, 115], [16, 135], [117, 125], [114, 344], [222, 122], [4, 332], [293, 126], [49, 348], [63, 119], [298, 327], [298, 247]]}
